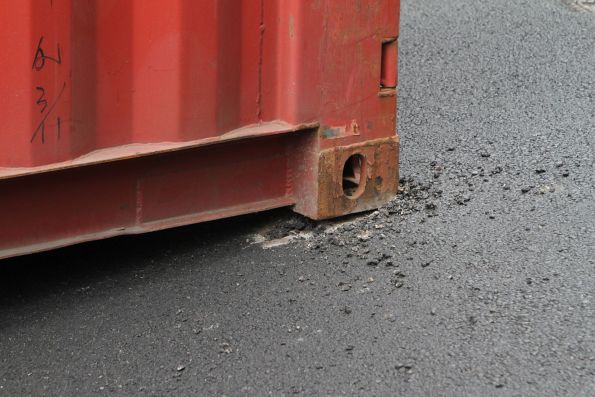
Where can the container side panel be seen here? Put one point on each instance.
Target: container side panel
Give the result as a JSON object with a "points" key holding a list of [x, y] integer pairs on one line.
{"points": [[35, 82], [352, 97], [323, 61], [124, 116], [84, 75], [51, 137], [293, 39], [113, 73], [188, 50], [16, 84], [93, 74]]}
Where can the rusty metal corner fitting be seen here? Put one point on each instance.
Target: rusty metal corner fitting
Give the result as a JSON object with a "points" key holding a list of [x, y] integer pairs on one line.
{"points": [[350, 179]]}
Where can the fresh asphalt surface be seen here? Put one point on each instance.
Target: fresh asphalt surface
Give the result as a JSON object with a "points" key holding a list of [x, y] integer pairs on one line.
{"points": [[478, 281]]}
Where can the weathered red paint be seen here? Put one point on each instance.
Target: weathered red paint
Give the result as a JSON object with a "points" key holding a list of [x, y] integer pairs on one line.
{"points": [[130, 116]]}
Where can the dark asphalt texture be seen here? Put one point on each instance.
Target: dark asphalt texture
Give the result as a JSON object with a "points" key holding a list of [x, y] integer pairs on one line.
{"points": [[478, 280]]}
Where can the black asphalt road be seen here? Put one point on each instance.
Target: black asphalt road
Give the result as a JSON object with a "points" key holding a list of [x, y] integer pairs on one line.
{"points": [[478, 280]]}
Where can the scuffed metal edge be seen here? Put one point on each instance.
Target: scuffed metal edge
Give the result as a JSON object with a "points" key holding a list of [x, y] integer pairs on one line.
{"points": [[136, 150]]}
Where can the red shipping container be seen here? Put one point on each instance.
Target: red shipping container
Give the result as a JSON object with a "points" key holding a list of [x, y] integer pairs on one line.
{"points": [[126, 116]]}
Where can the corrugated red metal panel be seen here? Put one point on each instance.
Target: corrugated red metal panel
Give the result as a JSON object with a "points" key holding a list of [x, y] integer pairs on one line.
{"points": [[121, 116]]}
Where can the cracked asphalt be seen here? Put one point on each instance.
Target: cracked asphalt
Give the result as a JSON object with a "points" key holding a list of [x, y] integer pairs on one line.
{"points": [[478, 280]]}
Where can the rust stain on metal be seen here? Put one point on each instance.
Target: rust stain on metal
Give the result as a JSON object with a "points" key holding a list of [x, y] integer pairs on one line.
{"points": [[381, 177]]}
